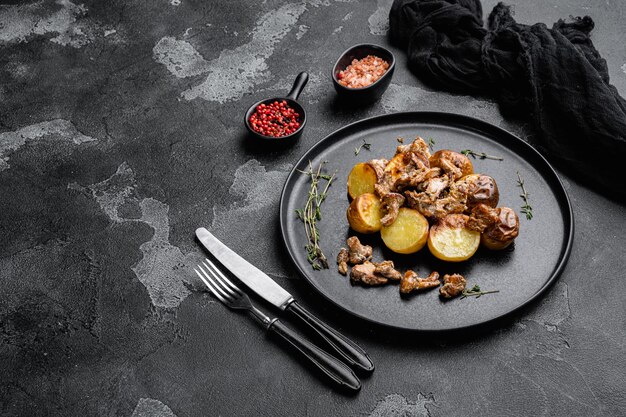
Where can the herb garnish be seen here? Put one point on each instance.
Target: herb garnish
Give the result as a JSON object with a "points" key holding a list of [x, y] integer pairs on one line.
{"points": [[363, 145], [481, 155], [400, 139], [526, 208], [430, 143], [312, 212], [475, 291]]}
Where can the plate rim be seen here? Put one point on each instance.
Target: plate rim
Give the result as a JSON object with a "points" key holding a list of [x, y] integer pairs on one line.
{"points": [[569, 223]]}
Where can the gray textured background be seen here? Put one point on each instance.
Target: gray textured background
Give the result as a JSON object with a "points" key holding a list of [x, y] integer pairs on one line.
{"points": [[120, 133]]}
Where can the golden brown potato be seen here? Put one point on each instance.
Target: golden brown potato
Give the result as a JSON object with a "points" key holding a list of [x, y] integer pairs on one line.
{"points": [[408, 233], [479, 189], [361, 180], [451, 240], [501, 234], [364, 213], [452, 162]]}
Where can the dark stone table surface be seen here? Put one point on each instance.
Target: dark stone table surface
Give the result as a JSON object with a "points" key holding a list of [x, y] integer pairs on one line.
{"points": [[121, 133]]}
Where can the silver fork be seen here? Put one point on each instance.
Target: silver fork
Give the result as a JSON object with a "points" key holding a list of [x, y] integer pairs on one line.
{"points": [[229, 294]]}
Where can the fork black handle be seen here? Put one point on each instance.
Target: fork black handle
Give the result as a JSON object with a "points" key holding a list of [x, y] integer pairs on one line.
{"points": [[349, 351], [336, 370]]}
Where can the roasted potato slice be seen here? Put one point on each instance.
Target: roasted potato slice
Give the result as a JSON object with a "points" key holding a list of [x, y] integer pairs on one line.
{"points": [[480, 189], [361, 180], [408, 233], [501, 234], [451, 240], [364, 213], [450, 161]]}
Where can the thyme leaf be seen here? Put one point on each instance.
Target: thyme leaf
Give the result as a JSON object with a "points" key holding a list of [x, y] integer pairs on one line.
{"points": [[526, 207], [430, 143], [475, 291], [481, 155], [363, 145]]}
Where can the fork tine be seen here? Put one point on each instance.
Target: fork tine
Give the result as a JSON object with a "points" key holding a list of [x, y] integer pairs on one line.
{"points": [[215, 293], [222, 285], [214, 282], [224, 280], [216, 289]]}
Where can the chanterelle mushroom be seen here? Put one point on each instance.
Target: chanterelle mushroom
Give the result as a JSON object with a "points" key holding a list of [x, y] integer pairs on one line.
{"points": [[386, 269], [358, 253], [342, 261], [453, 285], [366, 274], [372, 273], [391, 203], [411, 282]]}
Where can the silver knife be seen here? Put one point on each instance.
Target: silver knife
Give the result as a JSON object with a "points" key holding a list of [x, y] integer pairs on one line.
{"points": [[268, 289]]}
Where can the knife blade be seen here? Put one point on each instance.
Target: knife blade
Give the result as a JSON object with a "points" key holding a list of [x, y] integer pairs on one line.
{"points": [[269, 290], [247, 273]]}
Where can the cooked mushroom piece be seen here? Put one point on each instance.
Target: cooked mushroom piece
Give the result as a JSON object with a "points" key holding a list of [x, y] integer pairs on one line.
{"points": [[411, 282], [358, 253], [342, 261], [453, 285], [454, 164], [378, 165], [373, 273], [384, 181], [366, 273], [435, 202], [394, 169], [435, 186], [386, 269], [391, 203], [418, 147], [409, 166]]}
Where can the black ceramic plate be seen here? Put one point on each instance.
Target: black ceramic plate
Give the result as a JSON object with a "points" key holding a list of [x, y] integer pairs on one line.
{"points": [[521, 273]]}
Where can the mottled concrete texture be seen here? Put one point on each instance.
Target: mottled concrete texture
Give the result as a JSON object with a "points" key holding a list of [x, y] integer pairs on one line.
{"points": [[121, 133]]}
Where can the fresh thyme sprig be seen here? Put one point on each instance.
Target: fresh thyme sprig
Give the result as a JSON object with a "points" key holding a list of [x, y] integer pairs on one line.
{"points": [[430, 143], [475, 291], [481, 155], [312, 213], [363, 145], [526, 208]]}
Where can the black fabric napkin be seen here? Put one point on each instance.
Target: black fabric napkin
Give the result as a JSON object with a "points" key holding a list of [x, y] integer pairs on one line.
{"points": [[555, 77]]}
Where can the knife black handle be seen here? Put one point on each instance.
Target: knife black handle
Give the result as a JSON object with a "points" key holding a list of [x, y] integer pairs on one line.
{"points": [[336, 370], [347, 350]]}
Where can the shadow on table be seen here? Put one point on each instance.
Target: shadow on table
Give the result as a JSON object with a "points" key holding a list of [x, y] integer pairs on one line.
{"points": [[342, 107], [255, 146], [313, 370]]}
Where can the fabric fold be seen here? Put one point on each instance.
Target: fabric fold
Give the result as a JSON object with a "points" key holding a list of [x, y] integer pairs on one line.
{"points": [[554, 77]]}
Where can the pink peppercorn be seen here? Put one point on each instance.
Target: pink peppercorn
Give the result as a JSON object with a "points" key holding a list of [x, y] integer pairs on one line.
{"points": [[275, 119]]}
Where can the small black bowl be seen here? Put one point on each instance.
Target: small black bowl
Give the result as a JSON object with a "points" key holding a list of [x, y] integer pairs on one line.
{"points": [[291, 98], [372, 92]]}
